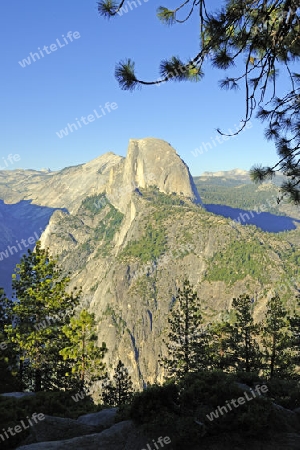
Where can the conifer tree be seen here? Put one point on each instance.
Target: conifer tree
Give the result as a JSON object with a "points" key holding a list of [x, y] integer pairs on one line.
{"points": [[219, 355], [187, 341], [82, 351], [294, 320], [8, 357], [244, 350], [42, 305], [277, 340], [119, 391]]}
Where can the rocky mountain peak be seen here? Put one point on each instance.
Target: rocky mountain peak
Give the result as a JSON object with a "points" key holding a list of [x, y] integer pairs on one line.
{"points": [[153, 161], [150, 162]]}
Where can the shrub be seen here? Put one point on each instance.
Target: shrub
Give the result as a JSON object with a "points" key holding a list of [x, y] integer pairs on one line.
{"points": [[154, 403], [180, 410], [59, 404]]}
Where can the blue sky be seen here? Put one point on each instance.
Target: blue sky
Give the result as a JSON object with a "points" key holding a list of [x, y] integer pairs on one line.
{"points": [[40, 99]]}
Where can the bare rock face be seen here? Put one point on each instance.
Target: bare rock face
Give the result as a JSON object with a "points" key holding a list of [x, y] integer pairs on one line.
{"points": [[150, 162], [63, 189]]}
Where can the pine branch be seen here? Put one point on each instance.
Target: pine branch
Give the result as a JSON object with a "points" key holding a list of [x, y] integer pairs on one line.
{"points": [[258, 174], [166, 16]]}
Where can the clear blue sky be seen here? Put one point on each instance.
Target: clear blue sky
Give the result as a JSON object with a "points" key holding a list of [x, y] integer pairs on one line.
{"points": [[39, 100]]}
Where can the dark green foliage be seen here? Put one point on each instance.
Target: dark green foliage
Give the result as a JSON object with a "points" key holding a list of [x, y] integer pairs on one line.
{"points": [[154, 403], [81, 349], [285, 393], [247, 378], [87, 247], [240, 194], [243, 349], [218, 340], [294, 322], [238, 260], [238, 345], [291, 261], [107, 229], [150, 247], [41, 307], [119, 391], [271, 347], [8, 357], [202, 393], [187, 341], [95, 203], [179, 409], [277, 340], [154, 195]]}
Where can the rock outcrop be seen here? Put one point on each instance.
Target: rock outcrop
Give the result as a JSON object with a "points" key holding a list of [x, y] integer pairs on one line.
{"points": [[104, 418], [150, 162], [54, 428], [121, 436], [30, 199]]}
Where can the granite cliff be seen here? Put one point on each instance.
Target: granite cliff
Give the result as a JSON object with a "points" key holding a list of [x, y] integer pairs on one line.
{"points": [[129, 230]]}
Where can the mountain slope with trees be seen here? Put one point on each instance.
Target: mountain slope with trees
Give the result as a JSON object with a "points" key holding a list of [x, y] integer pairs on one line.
{"points": [[130, 287], [141, 229]]}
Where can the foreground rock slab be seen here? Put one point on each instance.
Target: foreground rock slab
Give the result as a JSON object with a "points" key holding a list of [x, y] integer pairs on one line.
{"points": [[104, 418], [55, 428], [114, 438]]}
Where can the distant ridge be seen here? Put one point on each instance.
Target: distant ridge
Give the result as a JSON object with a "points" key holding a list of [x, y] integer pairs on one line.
{"points": [[227, 173]]}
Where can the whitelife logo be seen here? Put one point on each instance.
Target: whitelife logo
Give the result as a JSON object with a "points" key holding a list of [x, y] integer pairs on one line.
{"points": [[162, 441], [272, 203], [79, 396], [240, 401], [3, 346], [86, 119], [220, 138], [124, 9], [13, 249], [33, 57], [19, 428], [10, 159]]}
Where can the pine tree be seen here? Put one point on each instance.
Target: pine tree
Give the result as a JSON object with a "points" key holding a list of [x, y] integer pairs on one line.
{"points": [[119, 391], [277, 340], [187, 341], [82, 350], [108, 393], [8, 357], [244, 350], [258, 37], [41, 307], [219, 355], [294, 320]]}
